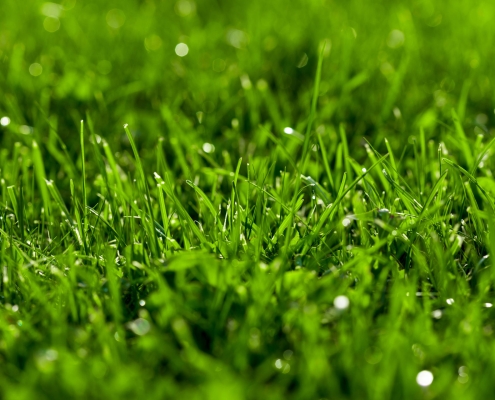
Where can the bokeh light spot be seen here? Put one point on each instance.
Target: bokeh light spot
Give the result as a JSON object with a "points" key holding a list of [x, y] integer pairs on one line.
{"points": [[153, 43], [68, 4], [237, 38], [51, 24], [51, 10], [115, 18], [181, 49], [104, 67], [341, 302], [184, 8], [140, 326], [218, 65], [208, 148], [424, 378], [35, 69], [395, 39]]}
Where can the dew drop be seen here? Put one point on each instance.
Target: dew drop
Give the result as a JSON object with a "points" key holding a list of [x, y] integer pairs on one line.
{"points": [[140, 326], [424, 378], [341, 302]]}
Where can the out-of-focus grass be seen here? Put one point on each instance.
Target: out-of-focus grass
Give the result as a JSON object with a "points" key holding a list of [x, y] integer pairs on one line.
{"points": [[238, 239]]}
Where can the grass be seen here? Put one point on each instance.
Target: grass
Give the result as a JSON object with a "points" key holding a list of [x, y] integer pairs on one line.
{"points": [[302, 206]]}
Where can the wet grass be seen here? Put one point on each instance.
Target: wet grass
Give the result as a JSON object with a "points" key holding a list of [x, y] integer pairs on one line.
{"points": [[246, 200]]}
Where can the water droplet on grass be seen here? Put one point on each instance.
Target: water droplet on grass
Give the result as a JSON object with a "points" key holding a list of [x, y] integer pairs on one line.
{"points": [[4, 121], [140, 326], [208, 148], [424, 378], [289, 131], [341, 302]]}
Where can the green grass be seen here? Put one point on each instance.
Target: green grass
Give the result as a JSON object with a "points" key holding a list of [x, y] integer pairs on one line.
{"points": [[301, 207]]}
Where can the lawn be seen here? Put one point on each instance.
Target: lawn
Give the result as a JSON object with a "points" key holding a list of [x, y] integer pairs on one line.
{"points": [[247, 199]]}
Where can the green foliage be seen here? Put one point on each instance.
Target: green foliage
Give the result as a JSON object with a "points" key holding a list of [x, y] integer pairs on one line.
{"points": [[264, 199]]}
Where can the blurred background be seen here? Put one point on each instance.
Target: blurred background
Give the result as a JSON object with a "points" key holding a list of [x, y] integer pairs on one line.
{"points": [[214, 70]]}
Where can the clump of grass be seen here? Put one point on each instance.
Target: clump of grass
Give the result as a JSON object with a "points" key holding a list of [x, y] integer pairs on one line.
{"points": [[209, 249]]}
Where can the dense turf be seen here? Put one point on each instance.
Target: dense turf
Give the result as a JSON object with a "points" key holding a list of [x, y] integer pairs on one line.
{"points": [[263, 200]]}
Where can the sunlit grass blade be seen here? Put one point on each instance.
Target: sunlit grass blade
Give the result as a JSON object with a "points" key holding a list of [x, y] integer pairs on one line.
{"points": [[41, 179], [146, 196]]}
